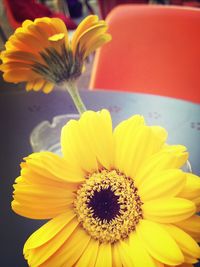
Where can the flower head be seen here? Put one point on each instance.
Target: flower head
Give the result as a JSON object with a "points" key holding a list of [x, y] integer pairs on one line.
{"points": [[41, 54], [115, 198]]}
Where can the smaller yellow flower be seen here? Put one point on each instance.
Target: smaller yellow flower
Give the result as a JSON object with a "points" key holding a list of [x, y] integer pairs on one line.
{"points": [[41, 54]]}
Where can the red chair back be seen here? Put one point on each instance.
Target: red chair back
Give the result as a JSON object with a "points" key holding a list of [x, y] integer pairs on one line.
{"points": [[154, 49], [105, 6], [12, 21]]}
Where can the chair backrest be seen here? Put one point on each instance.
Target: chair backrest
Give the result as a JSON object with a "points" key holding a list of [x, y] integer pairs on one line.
{"points": [[154, 49], [105, 6]]}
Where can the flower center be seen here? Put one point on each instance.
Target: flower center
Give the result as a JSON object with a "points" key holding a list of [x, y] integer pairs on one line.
{"points": [[104, 204], [108, 206]]}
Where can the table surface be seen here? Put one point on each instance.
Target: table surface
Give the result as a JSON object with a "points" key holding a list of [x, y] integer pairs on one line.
{"points": [[20, 112]]}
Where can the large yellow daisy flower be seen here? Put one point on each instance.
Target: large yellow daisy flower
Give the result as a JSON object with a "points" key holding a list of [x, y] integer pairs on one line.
{"points": [[41, 54], [115, 198]]}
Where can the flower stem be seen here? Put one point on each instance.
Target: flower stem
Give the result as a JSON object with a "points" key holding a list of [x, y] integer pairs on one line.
{"points": [[73, 91]]}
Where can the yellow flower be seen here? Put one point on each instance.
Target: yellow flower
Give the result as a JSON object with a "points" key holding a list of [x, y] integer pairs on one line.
{"points": [[115, 198], [41, 54]]}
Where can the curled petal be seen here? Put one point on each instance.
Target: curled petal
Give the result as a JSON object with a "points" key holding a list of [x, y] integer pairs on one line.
{"points": [[94, 43], [85, 24]]}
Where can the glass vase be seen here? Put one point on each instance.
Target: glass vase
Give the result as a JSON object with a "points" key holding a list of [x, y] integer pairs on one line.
{"points": [[46, 135]]}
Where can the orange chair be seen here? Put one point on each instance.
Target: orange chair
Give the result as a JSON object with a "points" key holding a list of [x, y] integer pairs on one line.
{"points": [[105, 6], [154, 49]]}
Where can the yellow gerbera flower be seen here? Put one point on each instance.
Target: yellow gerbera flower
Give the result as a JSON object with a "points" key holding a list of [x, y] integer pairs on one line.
{"points": [[115, 198], [41, 54]]}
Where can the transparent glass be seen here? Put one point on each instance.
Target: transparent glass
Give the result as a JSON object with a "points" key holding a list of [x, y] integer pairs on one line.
{"points": [[46, 135], [187, 167]]}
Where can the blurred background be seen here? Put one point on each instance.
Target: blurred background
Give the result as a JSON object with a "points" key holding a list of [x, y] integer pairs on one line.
{"points": [[18, 117], [14, 12]]}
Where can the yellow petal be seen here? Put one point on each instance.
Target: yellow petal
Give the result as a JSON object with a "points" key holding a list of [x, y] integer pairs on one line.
{"points": [[169, 157], [189, 259], [38, 84], [168, 210], [76, 148], [138, 146], [18, 56], [95, 43], [88, 142], [54, 167], [43, 192], [46, 20], [104, 257], [45, 187], [70, 251], [197, 203], [27, 23], [56, 37], [159, 243], [48, 231], [41, 254], [125, 253], [195, 236], [43, 199], [139, 253], [185, 242], [95, 31], [19, 75], [167, 183], [15, 44], [88, 258], [45, 25], [59, 25], [83, 26], [48, 87], [191, 189], [42, 212], [116, 260], [29, 42], [30, 176], [159, 264], [126, 129], [14, 65], [33, 29], [191, 225]]}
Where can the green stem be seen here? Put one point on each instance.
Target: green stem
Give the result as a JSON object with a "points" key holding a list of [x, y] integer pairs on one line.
{"points": [[74, 93]]}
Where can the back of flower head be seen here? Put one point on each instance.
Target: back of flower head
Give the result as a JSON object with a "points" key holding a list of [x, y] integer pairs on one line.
{"points": [[41, 54]]}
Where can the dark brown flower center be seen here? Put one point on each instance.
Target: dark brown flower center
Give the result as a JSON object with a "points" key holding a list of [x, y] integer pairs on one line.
{"points": [[104, 204], [108, 206]]}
